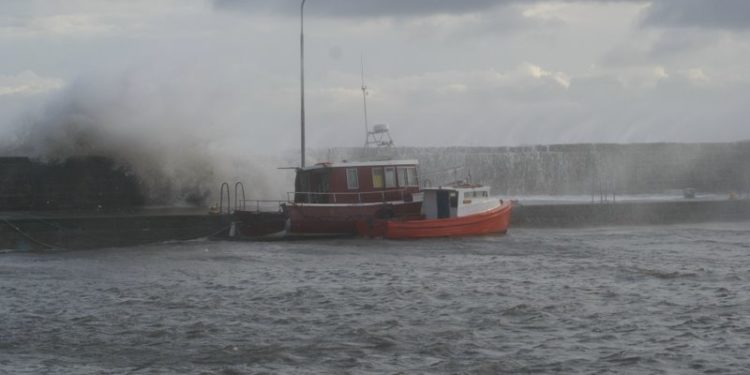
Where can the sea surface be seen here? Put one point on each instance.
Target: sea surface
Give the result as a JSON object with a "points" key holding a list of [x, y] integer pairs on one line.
{"points": [[620, 300]]}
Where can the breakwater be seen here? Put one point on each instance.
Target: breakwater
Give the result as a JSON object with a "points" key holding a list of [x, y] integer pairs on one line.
{"points": [[73, 184], [628, 213], [571, 169]]}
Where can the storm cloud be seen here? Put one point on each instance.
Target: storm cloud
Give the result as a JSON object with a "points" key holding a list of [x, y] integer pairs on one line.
{"points": [[723, 14], [223, 76], [720, 14], [361, 8]]}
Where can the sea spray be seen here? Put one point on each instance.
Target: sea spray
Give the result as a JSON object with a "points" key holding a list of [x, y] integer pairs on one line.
{"points": [[150, 127]]}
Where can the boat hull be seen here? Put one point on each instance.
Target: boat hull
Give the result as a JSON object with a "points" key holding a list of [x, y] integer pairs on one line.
{"points": [[342, 219], [255, 225], [495, 220]]}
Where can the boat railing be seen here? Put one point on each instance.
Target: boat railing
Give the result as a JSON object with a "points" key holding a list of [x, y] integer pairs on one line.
{"points": [[358, 197], [261, 205]]}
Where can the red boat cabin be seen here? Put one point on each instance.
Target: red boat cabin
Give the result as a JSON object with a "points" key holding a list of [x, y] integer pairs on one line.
{"points": [[357, 182]]}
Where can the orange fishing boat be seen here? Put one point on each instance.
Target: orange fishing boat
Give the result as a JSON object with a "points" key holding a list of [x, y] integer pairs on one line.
{"points": [[462, 210]]}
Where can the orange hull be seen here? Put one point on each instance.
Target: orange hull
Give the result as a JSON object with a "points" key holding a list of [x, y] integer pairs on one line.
{"points": [[495, 220]]}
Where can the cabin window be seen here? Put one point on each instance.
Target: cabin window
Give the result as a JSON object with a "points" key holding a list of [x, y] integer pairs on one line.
{"points": [[377, 177], [454, 199], [304, 182], [352, 180], [303, 188], [390, 177], [403, 181], [411, 174], [407, 176]]}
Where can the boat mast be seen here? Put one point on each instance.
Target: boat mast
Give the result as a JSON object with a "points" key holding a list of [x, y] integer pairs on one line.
{"points": [[364, 101], [302, 81]]}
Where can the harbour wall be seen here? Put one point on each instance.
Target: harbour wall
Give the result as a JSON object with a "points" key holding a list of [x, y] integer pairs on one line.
{"points": [[574, 169], [73, 184], [628, 213]]}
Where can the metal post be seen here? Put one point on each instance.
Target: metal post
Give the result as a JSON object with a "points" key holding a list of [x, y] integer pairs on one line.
{"points": [[364, 102], [302, 80]]}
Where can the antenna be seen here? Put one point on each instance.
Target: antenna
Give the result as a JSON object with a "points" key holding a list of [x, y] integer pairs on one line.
{"points": [[302, 81], [364, 99], [380, 135]]}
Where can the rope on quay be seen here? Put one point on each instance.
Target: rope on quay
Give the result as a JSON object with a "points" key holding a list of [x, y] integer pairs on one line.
{"points": [[63, 228], [30, 238]]}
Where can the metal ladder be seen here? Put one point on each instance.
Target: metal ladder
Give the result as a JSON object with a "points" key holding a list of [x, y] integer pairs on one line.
{"points": [[239, 204]]}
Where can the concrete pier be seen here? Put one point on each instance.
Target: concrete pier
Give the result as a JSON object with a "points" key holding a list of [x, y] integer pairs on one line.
{"points": [[81, 230]]}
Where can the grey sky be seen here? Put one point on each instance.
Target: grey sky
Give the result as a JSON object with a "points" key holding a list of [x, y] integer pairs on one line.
{"points": [[222, 75], [360, 8]]}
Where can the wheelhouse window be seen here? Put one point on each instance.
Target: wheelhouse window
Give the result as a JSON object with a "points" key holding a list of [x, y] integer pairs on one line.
{"points": [[390, 177], [411, 174], [303, 188], [407, 176], [352, 180], [377, 177], [403, 181]]}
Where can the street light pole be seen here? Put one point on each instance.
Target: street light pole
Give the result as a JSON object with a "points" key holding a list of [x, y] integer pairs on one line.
{"points": [[302, 79]]}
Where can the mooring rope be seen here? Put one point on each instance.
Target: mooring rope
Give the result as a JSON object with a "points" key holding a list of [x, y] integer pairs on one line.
{"points": [[30, 238]]}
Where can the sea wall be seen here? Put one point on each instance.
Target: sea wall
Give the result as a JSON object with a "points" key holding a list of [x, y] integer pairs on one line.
{"points": [[72, 184], [628, 213], [578, 168]]}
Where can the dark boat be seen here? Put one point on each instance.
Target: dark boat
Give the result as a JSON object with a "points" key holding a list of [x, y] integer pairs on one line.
{"points": [[330, 198]]}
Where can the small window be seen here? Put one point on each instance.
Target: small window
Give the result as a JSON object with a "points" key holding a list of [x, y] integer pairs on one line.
{"points": [[304, 182], [403, 180], [352, 180], [454, 199], [377, 177], [390, 177], [411, 174]]}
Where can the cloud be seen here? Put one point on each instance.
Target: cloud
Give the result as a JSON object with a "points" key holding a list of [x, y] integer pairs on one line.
{"points": [[537, 72], [361, 8], [27, 83], [709, 14], [90, 18]]}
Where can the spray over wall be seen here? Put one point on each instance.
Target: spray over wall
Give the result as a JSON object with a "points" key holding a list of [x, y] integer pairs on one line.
{"points": [[158, 128]]}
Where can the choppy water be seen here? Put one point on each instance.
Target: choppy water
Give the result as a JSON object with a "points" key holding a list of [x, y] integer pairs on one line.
{"points": [[671, 299]]}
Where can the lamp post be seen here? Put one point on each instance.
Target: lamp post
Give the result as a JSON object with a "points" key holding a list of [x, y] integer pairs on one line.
{"points": [[302, 80]]}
